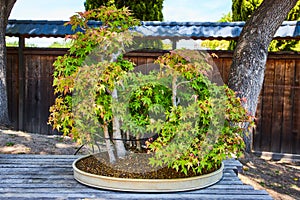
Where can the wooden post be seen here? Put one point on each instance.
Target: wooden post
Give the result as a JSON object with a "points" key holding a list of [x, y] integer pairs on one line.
{"points": [[21, 83], [174, 44]]}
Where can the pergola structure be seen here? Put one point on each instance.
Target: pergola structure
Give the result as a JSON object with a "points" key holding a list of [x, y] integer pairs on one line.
{"points": [[151, 29]]}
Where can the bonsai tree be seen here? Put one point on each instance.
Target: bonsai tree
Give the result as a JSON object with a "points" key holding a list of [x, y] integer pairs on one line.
{"points": [[103, 45], [199, 134], [188, 119]]}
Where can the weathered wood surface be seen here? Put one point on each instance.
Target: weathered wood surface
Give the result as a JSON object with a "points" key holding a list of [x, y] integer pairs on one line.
{"points": [[51, 177]]}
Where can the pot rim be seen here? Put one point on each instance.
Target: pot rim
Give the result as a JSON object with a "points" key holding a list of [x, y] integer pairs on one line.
{"points": [[144, 185]]}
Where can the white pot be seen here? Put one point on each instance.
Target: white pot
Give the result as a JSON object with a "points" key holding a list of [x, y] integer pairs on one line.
{"points": [[146, 185]]}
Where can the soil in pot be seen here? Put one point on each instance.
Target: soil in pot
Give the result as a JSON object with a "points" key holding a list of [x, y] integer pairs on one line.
{"points": [[134, 165]]}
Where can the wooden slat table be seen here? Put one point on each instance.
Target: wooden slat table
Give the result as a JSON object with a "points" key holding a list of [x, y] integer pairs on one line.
{"points": [[51, 177]]}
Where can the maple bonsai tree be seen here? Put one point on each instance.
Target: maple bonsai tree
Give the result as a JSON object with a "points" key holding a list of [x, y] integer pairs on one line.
{"points": [[101, 97]]}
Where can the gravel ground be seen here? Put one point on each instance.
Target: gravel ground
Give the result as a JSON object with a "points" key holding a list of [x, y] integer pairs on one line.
{"points": [[17, 142]]}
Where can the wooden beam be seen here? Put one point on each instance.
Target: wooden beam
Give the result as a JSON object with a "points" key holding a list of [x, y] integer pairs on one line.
{"points": [[21, 81]]}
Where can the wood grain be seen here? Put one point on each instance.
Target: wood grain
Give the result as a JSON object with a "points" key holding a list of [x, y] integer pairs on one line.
{"points": [[51, 177]]}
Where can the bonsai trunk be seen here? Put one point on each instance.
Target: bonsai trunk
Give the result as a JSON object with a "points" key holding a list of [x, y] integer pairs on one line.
{"points": [[138, 142], [119, 144], [109, 146]]}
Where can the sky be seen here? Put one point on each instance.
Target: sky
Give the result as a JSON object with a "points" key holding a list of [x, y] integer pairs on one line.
{"points": [[173, 10]]}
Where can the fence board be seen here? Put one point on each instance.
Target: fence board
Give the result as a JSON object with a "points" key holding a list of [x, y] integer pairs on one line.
{"points": [[226, 63], [267, 108], [287, 106], [277, 105], [296, 111], [12, 85], [32, 93], [217, 73], [278, 114], [258, 122], [142, 61]]}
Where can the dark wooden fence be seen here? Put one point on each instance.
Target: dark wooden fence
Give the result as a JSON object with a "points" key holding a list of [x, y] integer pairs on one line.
{"points": [[278, 112], [30, 94], [30, 91]]}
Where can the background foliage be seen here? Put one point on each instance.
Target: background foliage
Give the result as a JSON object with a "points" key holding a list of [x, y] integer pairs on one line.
{"points": [[241, 11], [145, 10]]}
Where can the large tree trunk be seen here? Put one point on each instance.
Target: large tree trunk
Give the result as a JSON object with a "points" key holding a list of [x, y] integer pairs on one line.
{"points": [[5, 9], [248, 66]]}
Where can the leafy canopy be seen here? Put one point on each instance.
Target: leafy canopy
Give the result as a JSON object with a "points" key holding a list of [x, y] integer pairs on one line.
{"points": [[108, 38]]}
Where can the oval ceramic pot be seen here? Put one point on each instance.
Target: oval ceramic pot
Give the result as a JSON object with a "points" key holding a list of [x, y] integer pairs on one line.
{"points": [[146, 185]]}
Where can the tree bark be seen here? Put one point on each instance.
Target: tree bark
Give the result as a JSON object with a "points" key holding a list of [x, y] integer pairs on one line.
{"points": [[248, 66], [5, 9], [109, 146]]}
